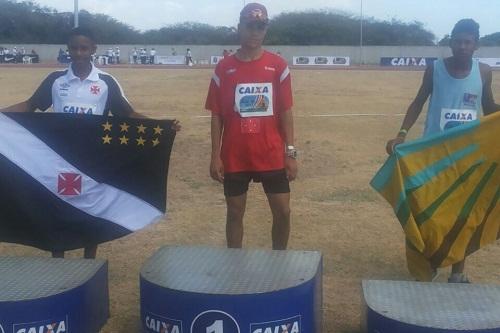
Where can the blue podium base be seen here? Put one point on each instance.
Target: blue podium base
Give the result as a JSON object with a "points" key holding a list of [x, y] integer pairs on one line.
{"points": [[53, 295], [215, 290], [417, 307]]}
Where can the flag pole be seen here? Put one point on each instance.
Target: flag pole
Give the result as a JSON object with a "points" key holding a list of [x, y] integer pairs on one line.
{"points": [[361, 58], [76, 13]]}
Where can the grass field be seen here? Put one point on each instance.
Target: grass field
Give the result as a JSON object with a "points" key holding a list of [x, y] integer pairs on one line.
{"points": [[333, 208]]}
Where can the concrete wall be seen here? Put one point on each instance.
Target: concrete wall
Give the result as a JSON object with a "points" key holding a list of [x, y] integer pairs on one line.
{"points": [[370, 54]]}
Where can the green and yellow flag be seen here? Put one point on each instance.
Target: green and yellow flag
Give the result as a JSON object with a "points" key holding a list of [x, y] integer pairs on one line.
{"points": [[445, 190]]}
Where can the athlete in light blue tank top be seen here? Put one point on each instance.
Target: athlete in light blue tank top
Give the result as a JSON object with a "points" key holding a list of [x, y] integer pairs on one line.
{"points": [[453, 101], [460, 89]]}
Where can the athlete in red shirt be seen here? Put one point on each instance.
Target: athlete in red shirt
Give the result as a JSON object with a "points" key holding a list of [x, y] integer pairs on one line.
{"points": [[252, 128]]}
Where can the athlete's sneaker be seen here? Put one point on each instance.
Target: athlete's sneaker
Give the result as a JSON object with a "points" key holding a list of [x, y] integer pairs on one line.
{"points": [[458, 278]]}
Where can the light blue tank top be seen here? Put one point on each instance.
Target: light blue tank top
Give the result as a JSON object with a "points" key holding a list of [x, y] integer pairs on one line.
{"points": [[453, 101]]}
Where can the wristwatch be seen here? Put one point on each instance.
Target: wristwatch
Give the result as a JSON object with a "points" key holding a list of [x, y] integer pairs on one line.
{"points": [[291, 152]]}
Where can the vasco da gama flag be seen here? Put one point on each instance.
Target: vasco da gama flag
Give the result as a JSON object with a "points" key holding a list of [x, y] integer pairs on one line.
{"points": [[445, 191], [68, 181]]}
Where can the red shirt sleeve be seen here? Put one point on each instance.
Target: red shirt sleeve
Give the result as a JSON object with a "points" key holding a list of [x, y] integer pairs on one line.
{"points": [[213, 102], [285, 98]]}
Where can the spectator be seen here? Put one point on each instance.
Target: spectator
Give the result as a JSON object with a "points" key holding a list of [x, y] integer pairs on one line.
{"points": [[144, 56], [1, 55], [189, 58], [14, 54], [134, 55], [152, 54], [109, 54], [117, 54]]}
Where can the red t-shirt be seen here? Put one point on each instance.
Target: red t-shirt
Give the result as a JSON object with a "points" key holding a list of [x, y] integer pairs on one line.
{"points": [[250, 97]]}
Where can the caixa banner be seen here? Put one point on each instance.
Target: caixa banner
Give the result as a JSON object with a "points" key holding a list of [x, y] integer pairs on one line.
{"points": [[406, 61], [214, 60], [321, 61]]}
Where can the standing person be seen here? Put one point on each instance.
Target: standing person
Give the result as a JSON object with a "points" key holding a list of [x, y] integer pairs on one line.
{"points": [[144, 56], [134, 55], [14, 54], [460, 87], [152, 54], [250, 98], [117, 54], [82, 88], [189, 58], [1, 55], [109, 55]]}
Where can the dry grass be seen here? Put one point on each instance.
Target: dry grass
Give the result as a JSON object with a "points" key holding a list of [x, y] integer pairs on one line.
{"points": [[334, 210]]}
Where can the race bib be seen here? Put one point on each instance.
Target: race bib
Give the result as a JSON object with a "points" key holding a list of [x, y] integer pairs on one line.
{"points": [[254, 99], [79, 108], [453, 117]]}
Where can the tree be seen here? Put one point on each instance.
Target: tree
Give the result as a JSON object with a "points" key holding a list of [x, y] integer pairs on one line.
{"points": [[491, 40], [27, 22]]}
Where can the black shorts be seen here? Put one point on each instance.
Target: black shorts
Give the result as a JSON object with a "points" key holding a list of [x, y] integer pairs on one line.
{"points": [[272, 181]]}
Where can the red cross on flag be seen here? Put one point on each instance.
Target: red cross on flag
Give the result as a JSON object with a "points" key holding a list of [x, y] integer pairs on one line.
{"points": [[69, 184]]}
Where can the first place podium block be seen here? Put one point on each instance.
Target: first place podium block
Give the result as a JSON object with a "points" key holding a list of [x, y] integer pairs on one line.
{"points": [[417, 307], [217, 290], [53, 295]]}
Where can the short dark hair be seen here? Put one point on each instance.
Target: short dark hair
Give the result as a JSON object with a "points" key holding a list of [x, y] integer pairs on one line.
{"points": [[466, 26], [79, 31]]}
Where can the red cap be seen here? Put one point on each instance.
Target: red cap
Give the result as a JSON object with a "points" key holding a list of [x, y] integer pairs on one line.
{"points": [[254, 12]]}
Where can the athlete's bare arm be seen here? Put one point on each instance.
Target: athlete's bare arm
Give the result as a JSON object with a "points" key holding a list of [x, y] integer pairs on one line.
{"points": [[488, 101], [414, 109]]}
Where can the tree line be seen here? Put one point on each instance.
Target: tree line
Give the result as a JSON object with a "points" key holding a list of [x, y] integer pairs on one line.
{"points": [[27, 22]]}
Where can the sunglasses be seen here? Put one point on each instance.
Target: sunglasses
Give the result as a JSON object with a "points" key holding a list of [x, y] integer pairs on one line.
{"points": [[256, 25]]}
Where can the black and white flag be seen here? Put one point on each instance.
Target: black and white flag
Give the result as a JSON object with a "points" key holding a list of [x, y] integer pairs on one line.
{"points": [[69, 181]]}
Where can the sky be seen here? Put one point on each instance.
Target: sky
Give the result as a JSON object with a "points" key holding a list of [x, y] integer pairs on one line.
{"points": [[438, 16]]}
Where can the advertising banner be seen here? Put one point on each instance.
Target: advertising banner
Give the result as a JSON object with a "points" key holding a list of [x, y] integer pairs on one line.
{"points": [[321, 61], [405, 61], [214, 60], [170, 60], [493, 62]]}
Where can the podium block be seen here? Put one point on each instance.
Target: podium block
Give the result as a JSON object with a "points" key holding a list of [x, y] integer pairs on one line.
{"points": [[53, 295], [417, 307], [218, 290]]}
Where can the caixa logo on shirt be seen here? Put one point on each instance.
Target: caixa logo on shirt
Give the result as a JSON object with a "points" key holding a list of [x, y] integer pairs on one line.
{"points": [[288, 325], [45, 326], [158, 324], [79, 108]]}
